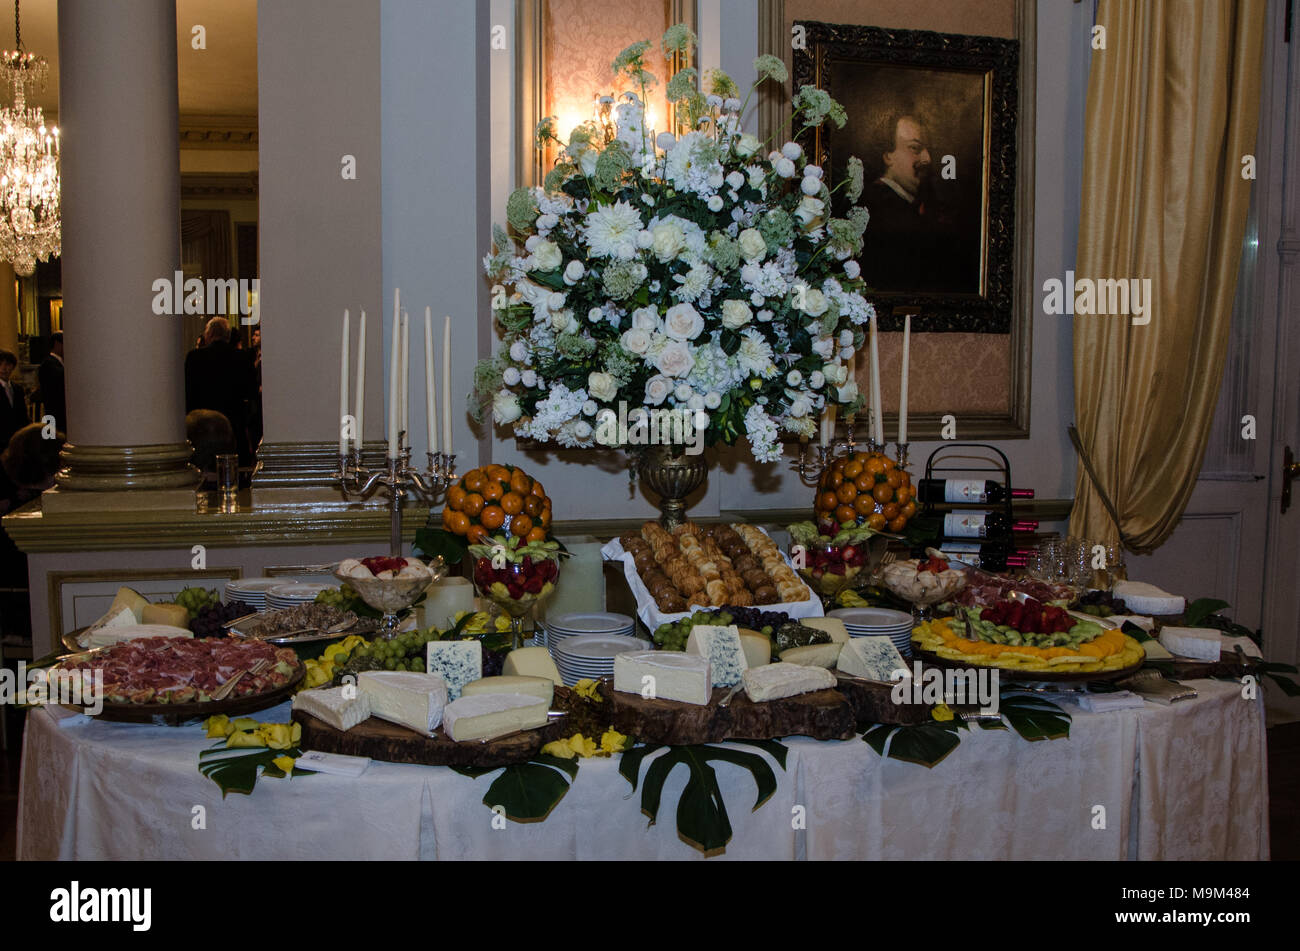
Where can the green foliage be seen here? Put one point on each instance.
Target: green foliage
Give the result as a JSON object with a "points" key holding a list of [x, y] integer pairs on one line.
{"points": [[527, 792], [235, 770]]}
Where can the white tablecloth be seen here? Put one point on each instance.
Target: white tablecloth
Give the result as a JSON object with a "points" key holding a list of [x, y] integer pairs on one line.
{"points": [[1181, 782]]}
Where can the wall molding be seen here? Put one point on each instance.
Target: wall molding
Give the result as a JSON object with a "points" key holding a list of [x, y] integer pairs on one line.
{"points": [[237, 185], [218, 132]]}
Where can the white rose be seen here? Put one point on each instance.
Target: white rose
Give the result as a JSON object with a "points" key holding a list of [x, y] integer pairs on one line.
{"points": [[809, 211], [602, 387], [747, 145], [657, 389], [510, 377], [667, 241], [735, 314], [715, 203], [573, 273], [752, 245], [528, 378], [548, 256], [793, 378], [636, 341], [519, 351], [666, 141], [675, 359], [683, 322], [814, 302], [848, 392], [588, 162], [784, 167], [563, 321], [791, 150], [852, 269], [810, 186], [735, 180], [817, 379], [645, 318], [589, 408], [712, 400], [505, 408], [836, 374], [813, 171], [555, 301], [683, 392]]}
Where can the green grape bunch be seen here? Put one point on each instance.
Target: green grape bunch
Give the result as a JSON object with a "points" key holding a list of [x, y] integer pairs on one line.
{"points": [[194, 600]]}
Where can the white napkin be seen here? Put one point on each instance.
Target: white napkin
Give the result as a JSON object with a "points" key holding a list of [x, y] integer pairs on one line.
{"points": [[333, 763], [1104, 702]]}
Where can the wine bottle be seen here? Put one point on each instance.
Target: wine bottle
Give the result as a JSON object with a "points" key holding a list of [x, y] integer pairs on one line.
{"points": [[968, 491], [990, 557], [967, 524]]}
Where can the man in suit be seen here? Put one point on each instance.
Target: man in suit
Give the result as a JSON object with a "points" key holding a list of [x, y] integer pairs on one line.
{"points": [[51, 379], [13, 403], [217, 377]]}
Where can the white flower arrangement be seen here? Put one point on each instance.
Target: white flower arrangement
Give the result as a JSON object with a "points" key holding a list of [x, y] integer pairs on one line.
{"points": [[679, 270]]}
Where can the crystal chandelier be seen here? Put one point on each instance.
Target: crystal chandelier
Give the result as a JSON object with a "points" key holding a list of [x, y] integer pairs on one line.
{"points": [[29, 165]]}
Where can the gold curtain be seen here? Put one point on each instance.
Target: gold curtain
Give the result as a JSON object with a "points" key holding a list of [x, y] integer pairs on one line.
{"points": [[1173, 106]]}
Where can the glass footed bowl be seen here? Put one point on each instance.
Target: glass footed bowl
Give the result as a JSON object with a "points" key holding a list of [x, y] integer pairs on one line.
{"points": [[390, 595], [829, 569], [516, 587], [923, 589]]}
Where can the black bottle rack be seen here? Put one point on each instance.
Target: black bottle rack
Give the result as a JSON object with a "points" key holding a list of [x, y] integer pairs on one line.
{"points": [[934, 468]]}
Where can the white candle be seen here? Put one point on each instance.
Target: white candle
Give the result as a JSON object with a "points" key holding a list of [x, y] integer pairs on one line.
{"points": [[877, 407], [828, 426], [902, 396], [343, 386], [393, 408], [430, 420], [406, 377], [361, 380], [446, 384]]}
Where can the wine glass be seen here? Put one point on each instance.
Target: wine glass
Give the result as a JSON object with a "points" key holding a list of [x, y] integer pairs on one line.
{"points": [[516, 586]]}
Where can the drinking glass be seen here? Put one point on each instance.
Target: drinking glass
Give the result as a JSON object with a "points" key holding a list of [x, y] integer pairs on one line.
{"points": [[228, 479]]}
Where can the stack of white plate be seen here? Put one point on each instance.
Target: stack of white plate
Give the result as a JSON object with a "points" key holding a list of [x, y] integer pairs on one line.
{"points": [[252, 591], [878, 622], [562, 626], [591, 656], [293, 594]]}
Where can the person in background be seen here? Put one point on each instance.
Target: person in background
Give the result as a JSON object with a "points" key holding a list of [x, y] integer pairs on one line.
{"points": [[51, 376], [210, 434], [13, 402], [218, 378], [27, 467]]}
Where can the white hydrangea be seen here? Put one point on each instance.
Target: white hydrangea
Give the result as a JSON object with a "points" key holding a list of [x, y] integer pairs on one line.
{"points": [[762, 434]]}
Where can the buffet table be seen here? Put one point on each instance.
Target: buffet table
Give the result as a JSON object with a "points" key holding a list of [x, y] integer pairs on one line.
{"points": [[1176, 782]]}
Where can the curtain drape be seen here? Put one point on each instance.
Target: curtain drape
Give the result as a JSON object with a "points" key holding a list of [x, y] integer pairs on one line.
{"points": [[1173, 107]]}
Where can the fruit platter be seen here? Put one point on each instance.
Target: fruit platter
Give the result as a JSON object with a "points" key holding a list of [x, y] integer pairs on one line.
{"points": [[673, 573], [831, 562], [1029, 641]]}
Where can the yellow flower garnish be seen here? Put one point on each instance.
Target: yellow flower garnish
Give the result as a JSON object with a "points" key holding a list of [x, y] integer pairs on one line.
{"points": [[245, 723], [611, 741], [217, 726], [587, 688], [247, 738], [942, 712], [559, 749], [285, 763], [581, 745], [276, 736]]}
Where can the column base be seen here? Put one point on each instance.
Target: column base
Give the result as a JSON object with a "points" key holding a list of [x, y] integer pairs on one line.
{"points": [[127, 468]]}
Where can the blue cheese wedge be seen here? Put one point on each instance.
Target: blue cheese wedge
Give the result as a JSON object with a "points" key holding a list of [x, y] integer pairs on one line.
{"points": [[777, 681], [872, 658], [340, 707], [723, 648], [663, 675], [416, 701], [456, 662], [532, 662], [539, 687], [489, 715], [812, 655]]}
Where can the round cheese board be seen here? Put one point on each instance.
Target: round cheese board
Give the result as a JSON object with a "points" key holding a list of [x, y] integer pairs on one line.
{"points": [[1015, 675]]}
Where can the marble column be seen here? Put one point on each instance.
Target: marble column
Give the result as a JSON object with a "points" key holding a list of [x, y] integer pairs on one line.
{"points": [[119, 115]]}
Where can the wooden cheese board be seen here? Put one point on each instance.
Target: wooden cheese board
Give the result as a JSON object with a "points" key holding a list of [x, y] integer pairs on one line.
{"points": [[392, 743], [873, 702]]}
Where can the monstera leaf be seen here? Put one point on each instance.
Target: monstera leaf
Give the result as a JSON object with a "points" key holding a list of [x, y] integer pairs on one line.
{"points": [[701, 812], [1035, 718], [234, 769], [925, 743], [526, 792]]}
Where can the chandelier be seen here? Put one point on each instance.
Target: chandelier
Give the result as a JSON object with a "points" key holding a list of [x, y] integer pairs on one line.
{"points": [[30, 226]]}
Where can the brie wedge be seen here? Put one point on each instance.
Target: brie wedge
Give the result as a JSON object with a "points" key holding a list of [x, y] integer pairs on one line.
{"points": [[488, 715], [663, 675], [416, 701], [777, 681], [333, 707]]}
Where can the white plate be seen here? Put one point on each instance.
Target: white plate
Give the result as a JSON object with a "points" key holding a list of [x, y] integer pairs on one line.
{"points": [[593, 647], [589, 622], [871, 617]]}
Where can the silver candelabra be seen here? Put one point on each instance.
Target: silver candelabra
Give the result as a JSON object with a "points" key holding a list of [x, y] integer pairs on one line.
{"points": [[399, 479], [810, 470]]}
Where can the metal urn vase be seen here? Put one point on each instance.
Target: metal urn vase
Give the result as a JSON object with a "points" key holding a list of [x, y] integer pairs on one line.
{"points": [[671, 474]]}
